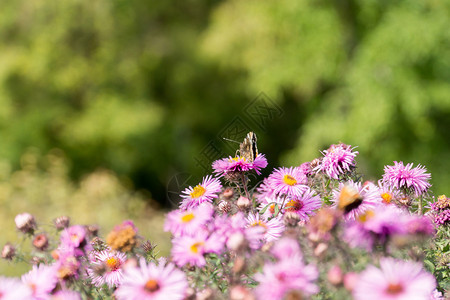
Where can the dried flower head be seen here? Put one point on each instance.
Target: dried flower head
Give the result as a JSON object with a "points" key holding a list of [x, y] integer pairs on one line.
{"points": [[25, 222], [8, 251], [123, 237], [61, 222]]}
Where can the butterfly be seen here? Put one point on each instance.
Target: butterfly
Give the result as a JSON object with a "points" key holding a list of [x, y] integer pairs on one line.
{"points": [[248, 148], [349, 199]]}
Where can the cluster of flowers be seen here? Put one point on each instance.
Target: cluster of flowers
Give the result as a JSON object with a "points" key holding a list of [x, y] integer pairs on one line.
{"points": [[314, 230]]}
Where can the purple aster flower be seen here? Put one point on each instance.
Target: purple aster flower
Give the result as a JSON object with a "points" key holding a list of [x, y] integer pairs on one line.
{"points": [[152, 282], [107, 268], [407, 178], [203, 192], [239, 164], [42, 280], [440, 210], [338, 160], [389, 194], [188, 221], [305, 205], [14, 289], [287, 181], [395, 279], [354, 199], [285, 279]]}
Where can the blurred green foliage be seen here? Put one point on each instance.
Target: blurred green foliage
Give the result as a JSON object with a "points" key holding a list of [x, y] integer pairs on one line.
{"points": [[140, 87]]}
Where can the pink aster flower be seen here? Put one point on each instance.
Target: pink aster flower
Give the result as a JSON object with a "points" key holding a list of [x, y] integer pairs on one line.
{"points": [[407, 178], [354, 199], [288, 277], [107, 268], [203, 192], [239, 164], [42, 280], [260, 230], [14, 289], [152, 282], [188, 221], [66, 295], [73, 237], [305, 205], [288, 181], [395, 280], [338, 159], [192, 249], [286, 248]]}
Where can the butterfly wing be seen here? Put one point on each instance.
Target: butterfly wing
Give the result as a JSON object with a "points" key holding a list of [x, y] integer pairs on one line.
{"points": [[248, 148], [349, 199]]}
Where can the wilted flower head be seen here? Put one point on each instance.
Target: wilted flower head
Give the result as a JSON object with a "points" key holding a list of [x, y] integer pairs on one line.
{"points": [[406, 178], [25, 222], [338, 160], [203, 192], [395, 279], [123, 237], [40, 241], [8, 251], [61, 222]]}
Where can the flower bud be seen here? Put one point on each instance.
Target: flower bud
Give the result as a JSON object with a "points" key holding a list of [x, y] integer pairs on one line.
{"points": [[320, 249], [239, 292], [291, 219], [228, 193], [335, 276], [350, 281], [243, 203], [40, 241], [61, 222], [225, 207], [8, 251], [25, 222], [236, 241]]}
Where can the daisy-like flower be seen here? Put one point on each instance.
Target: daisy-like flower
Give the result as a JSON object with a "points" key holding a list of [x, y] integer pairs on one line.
{"points": [[406, 178], [288, 277], [73, 237], [239, 164], [152, 282], [14, 289], [203, 192], [305, 205], [338, 159], [107, 268], [41, 279], [181, 222], [66, 295], [192, 249], [287, 181], [260, 230], [388, 193], [286, 248], [395, 280], [354, 200]]}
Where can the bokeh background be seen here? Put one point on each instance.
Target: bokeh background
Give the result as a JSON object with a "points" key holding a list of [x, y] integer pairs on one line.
{"points": [[110, 108]]}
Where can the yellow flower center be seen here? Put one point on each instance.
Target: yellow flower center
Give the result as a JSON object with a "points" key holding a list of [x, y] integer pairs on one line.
{"points": [[113, 263], [366, 216], [394, 288], [386, 198], [259, 223], [294, 205], [151, 285], [195, 247], [187, 218], [198, 191], [289, 180]]}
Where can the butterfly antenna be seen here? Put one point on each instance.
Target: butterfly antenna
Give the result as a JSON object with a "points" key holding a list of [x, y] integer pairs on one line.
{"points": [[231, 140]]}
